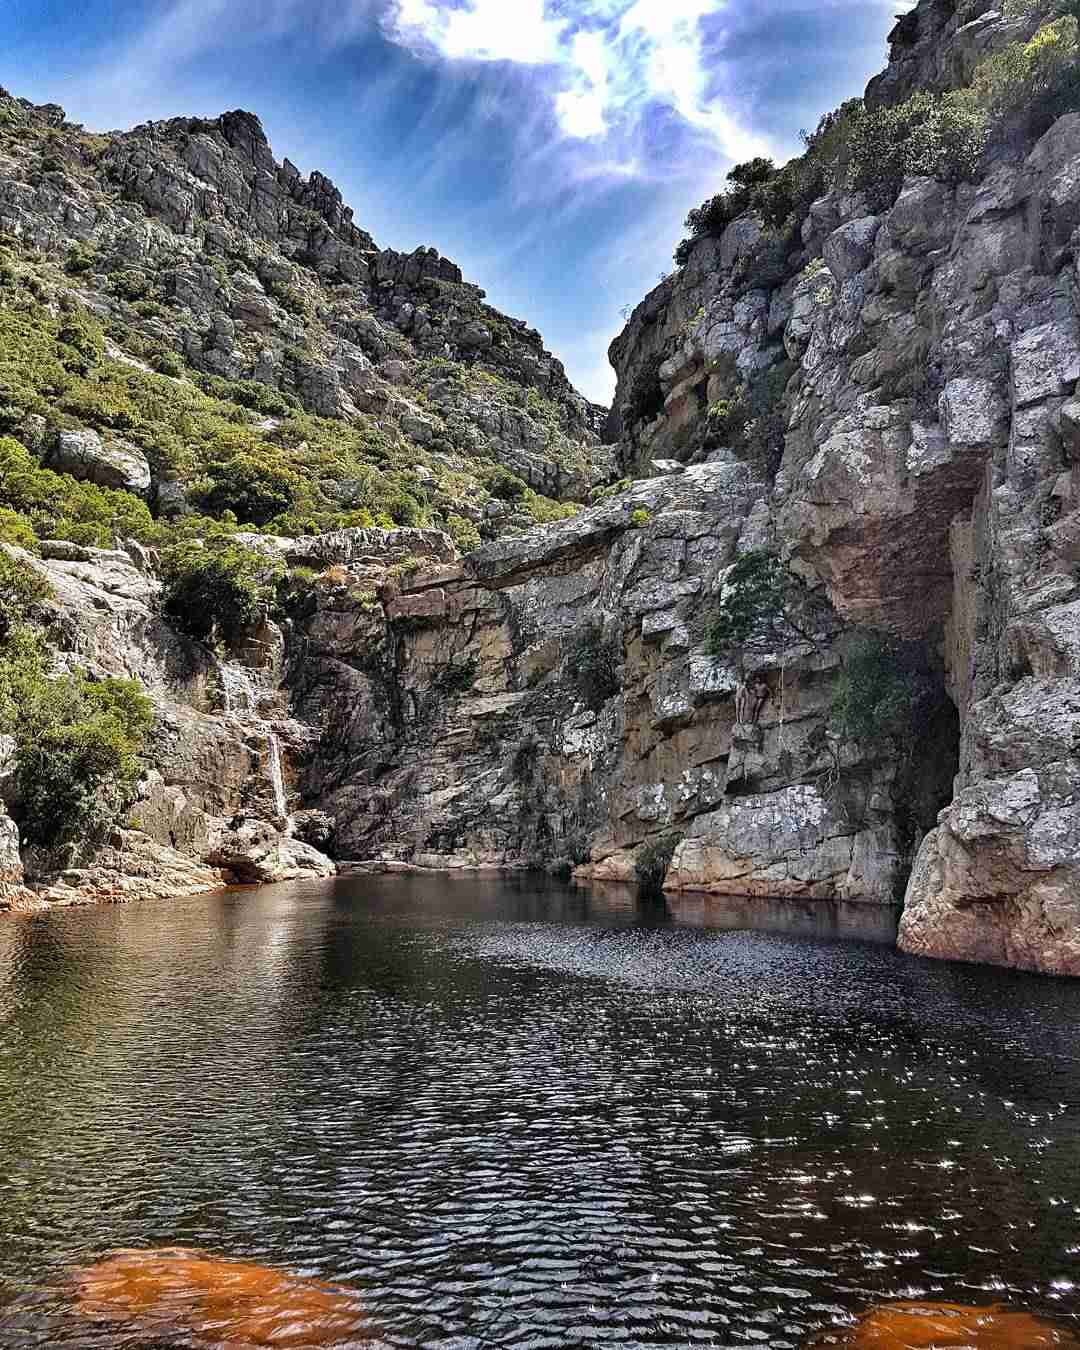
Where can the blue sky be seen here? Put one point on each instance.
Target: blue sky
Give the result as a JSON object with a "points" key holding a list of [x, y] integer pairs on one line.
{"points": [[550, 147]]}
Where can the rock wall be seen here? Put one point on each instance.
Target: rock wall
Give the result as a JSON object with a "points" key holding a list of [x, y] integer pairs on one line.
{"points": [[551, 699]]}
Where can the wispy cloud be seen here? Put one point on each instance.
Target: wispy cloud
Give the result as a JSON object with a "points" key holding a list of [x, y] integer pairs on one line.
{"points": [[552, 147], [605, 65]]}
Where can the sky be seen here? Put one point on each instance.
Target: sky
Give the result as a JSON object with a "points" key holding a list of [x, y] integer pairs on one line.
{"points": [[551, 148]]}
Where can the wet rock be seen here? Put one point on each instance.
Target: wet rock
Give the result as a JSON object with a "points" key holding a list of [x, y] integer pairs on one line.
{"points": [[256, 853], [217, 1302], [926, 1326]]}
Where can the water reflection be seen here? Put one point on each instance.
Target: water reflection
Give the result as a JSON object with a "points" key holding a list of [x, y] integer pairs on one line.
{"points": [[842, 922], [523, 1114]]}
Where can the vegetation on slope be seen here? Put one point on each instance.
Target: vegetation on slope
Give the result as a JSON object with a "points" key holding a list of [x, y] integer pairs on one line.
{"points": [[1015, 93]]}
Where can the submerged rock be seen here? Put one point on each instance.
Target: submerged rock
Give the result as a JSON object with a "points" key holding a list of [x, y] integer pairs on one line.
{"points": [[926, 1326], [229, 1305]]}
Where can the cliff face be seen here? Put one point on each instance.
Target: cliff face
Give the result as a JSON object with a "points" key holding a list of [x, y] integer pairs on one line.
{"points": [[907, 372]]}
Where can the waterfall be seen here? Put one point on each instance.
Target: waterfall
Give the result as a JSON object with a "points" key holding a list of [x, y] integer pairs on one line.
{"points": [[277, 776], [237, 690]]}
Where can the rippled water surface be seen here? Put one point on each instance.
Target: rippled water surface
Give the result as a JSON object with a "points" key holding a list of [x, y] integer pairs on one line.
{"points": [[517, 1114]]}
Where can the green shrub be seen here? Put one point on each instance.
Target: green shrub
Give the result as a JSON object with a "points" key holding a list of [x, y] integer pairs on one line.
{"points": [[57, 506], [76, 771], [253, 488], [77, 742], [639, 518], [464, 533], [260, 398], [594, 667], [22, 591], [507, 486], [16, 529], [752, 603], [939, 137], [713, 217], [882, 692], [545, 510], [456, 678], [289, 297], [217, 593], [651, 865], [168, 363], [82, 342], [131, 284], [81, 258], [1028, 85]]}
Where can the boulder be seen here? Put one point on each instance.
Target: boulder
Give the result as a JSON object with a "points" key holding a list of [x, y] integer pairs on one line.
{"points": [[111, 464], [256, 853], [850, 249]]}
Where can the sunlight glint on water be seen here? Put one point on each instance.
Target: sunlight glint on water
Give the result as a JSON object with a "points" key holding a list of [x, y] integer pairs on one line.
{"points": [[516, 1114]]}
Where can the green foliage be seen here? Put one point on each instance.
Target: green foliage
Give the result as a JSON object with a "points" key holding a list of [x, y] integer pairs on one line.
{"points": [[81, 258], [254, 488], [16, 529], [78, 766], [594, 667], [130, 284], [507, 486], [752, 602], [652, 862], [219, 592], [82, 343], [639, 518], [22, 591], [77, 741], [882, 693], [289, 297], [546, 511], [1028, 85], [168, 363], [939, 137], [464, 533], [251, 394], [57, 506], [713, 217], [458, 677]]}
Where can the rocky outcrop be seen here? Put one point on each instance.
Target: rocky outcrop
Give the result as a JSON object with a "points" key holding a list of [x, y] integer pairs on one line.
{"points": [[204, 258], [884, 399]]}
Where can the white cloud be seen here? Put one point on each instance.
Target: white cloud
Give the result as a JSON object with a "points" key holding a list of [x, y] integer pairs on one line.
{"points": [[605, 65]]}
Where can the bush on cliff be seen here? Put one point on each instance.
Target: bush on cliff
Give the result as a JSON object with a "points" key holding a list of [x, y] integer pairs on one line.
{"points": [[77, 741], [1019, 91], [77, 757], [1028, 85], [593, 666], [884, 692], [219, 592], [254, 488], [22, 591], [652, 863]]}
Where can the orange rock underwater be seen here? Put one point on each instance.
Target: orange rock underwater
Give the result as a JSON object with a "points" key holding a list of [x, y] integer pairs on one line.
{"points": [[228, 1305], [926, 1326]]}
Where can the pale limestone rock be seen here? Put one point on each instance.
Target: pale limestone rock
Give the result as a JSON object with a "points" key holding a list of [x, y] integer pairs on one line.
{"points": [[113, 464]]}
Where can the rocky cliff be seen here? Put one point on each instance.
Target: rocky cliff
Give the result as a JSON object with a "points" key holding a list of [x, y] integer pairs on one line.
{"points": [[868, 396]]}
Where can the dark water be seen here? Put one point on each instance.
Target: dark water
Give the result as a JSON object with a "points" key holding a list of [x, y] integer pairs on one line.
{"points": [[516, 1114]]}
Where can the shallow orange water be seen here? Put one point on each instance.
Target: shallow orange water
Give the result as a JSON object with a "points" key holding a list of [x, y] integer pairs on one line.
{"points": [[229, 1304], [928, 1326]]}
